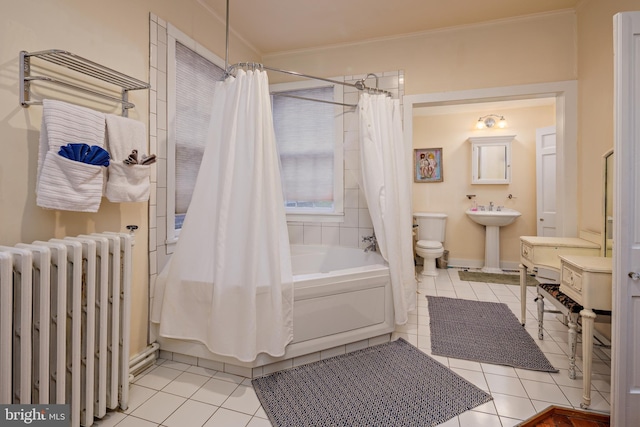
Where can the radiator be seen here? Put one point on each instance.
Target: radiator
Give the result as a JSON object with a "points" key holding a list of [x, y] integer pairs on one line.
{"points": [[64, 323]]}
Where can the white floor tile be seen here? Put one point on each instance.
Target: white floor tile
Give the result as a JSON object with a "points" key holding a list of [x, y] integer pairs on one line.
{"points": [[507, 371], [176, 365], [519, 408], [214, 392], [111, 419], [465, 364], [226, 418], [509, 422], [543, 377], [201, 370], [243, 399], [545, 392], [231, 378], [473, 418], [185, 384], [159, 407], [487, 408], [158, 378], [191, 413], [137, 396], [505, 385], [136, 422]]}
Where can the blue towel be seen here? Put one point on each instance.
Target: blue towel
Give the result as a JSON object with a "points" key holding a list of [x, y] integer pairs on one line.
{"points": [[93, 155]]}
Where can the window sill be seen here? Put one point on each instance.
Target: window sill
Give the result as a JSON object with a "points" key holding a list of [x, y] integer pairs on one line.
{"points": [[315, 217]]}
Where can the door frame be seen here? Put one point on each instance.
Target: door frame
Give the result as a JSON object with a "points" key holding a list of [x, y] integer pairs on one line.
{"points": [[566, 96]]}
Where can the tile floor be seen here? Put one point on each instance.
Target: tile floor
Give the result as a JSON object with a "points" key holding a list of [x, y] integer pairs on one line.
{"points": [[175, 394]]}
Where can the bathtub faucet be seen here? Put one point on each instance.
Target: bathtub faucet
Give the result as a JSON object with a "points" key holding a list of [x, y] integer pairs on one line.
{"points": [[373, 243]]}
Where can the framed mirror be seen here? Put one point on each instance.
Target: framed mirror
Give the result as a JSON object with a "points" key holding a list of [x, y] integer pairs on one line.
{"points": [[491, 159], [607, 189]]}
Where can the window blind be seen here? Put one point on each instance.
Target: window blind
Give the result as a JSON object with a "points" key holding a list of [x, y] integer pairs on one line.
{"points": [[305, 134], [195, 82]]}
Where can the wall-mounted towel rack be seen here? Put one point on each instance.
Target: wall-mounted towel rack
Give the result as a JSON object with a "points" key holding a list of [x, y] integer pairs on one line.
{"points": [[80, 65]]}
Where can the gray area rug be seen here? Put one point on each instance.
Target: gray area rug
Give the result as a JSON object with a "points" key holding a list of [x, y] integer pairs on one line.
{"points": [[482, 331], [506, 279], [391, 384]]}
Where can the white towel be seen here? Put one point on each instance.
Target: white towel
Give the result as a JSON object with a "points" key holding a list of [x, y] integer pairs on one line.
{"points": [[60, 184], [126, 183], [70, 185]]}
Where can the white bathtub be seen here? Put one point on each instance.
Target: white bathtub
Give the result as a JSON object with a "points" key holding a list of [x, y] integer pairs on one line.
{"points": [[341, 296]]}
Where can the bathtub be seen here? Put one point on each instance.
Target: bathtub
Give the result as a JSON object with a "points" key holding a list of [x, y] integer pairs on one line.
{"points": [[342, 301]]}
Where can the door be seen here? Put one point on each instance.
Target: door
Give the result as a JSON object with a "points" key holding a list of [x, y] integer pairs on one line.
{"points": [[546, 181], [625, 385]]}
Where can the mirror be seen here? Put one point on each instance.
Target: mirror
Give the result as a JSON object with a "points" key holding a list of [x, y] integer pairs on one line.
{"points": [[491, 159], [607, 243]]}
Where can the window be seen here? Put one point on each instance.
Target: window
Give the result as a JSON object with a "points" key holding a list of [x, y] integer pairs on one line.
{"points": [[309, 137], [192, 72]]}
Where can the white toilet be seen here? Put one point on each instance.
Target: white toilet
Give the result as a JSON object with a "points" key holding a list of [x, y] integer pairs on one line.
{"points": [[429, 239]]}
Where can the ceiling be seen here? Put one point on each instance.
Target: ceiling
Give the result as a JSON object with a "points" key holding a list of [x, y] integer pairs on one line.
{"points": [[272, 26]]}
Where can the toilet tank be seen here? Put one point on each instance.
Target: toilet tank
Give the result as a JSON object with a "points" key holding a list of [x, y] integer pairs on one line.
{"points": [[431, 225]]}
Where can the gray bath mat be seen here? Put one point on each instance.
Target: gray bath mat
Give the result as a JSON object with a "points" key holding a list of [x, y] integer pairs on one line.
{"points": [[391, 384], [506, 279], [482, 331]]}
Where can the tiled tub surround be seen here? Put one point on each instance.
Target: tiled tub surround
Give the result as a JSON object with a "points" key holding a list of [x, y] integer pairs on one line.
{"points": [[180, 391]]}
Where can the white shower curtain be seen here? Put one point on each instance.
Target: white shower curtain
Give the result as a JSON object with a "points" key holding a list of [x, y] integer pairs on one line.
{"points": [[229, 283], [386, 181]]}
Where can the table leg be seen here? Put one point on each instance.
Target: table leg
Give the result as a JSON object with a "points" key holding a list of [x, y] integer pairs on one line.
{"points": [[523, 293], [588, 319], [573, 343]]}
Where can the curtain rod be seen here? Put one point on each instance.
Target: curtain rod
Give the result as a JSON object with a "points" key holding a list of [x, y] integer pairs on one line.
{"points": [[360, 85], [286, 95]]}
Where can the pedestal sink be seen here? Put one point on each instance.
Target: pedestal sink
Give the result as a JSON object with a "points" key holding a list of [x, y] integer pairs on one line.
{"points": [[493, 220]]}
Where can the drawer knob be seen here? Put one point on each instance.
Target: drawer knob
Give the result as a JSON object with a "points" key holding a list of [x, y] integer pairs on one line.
{"points": [[634, 275]]}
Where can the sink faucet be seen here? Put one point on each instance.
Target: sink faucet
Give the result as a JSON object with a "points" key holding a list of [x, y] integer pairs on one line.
{"points": [[490, 206]]}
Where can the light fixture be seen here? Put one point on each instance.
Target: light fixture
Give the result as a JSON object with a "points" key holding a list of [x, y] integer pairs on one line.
{"points": [[488, 121]]}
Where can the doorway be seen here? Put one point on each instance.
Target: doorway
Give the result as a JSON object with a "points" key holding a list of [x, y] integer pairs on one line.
{"points": [[565, 94]]}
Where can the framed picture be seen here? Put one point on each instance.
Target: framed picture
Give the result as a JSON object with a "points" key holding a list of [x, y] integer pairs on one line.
{"points": [[427, 165]]}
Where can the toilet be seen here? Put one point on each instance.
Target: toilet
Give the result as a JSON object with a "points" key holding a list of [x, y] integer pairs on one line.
{"points": [[429, 239]]}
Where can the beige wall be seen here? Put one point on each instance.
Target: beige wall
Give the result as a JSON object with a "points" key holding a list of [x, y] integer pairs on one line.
{"points": [[464, 238], [528, 50], [115, 34], [595, 114]]}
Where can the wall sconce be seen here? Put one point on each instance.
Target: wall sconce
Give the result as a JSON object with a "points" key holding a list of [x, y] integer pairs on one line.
{"points": [[488, 121]]}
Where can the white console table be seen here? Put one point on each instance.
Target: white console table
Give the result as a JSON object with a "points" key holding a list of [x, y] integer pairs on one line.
{"points": [[541, 255], [587, 281]]}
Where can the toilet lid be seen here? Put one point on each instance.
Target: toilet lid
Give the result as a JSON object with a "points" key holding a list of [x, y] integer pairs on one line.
{"points": [[429, 244]]}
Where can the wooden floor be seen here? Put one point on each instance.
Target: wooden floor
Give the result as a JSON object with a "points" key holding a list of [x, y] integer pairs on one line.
{"points": [[555, 416]]}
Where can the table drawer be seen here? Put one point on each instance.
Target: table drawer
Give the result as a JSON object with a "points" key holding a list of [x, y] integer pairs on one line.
{"points": [[526, 251], [571, 278]]}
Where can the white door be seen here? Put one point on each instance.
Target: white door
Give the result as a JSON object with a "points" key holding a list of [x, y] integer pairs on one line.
{"points": [[546, 181], [625, 386]]}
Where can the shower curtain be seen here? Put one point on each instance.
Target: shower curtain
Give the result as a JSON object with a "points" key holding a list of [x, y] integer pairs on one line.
{"points": [[386, 181], [229, 282]]}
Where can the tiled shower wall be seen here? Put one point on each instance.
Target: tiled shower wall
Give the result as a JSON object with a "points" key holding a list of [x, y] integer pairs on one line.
{"points": [[357, 222]]}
